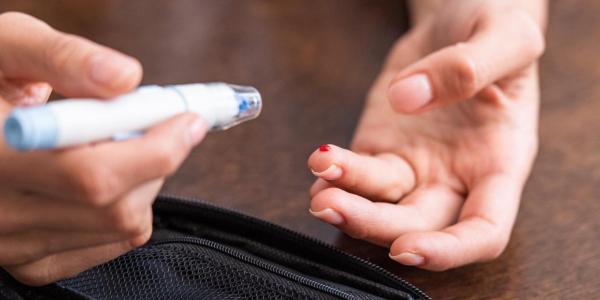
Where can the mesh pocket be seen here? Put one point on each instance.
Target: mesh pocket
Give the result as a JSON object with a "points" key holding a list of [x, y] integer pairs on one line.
{"points": [[184, 271]]}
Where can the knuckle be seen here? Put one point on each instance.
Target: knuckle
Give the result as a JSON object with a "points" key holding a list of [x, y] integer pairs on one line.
{"points": [[393, 192], [61, 50], [32, 277], [524, 31], [441, 264], [93, 183], [9, 255], [351, 178], [537, 44], [466, 78], [323, 199], [6, 257], [128, 218], [141, 239], [401, 179], [359, 232], [9, 223], [167, 158], [496, 248], [440, 268], [531, 34]]}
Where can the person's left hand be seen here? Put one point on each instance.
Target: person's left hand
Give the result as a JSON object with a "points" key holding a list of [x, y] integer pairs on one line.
{"points": [[440, 183]]}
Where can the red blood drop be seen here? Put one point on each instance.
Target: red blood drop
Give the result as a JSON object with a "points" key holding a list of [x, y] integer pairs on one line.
{"points": [[324, 148]]}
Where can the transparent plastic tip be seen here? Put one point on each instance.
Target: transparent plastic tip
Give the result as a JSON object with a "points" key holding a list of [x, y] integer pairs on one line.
{"points": [[249, 104]]}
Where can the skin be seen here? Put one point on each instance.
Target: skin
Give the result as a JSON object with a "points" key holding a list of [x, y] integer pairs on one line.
{"points": [[437, 166], [64, 211], [446, 140]]}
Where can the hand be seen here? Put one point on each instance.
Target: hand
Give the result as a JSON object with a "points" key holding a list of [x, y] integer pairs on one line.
{"points": [[446, 140], [64, 211]]}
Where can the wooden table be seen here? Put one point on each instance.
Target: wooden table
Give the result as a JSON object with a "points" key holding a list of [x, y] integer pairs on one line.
{"points": [[314, 61]]}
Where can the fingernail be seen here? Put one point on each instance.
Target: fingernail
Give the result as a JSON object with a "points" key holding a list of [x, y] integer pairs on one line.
{"points": [[40, 91], [36, 94], [111, 68], [328, 215], [408, 259], [411, 93], [332, 173], [197, 131]]}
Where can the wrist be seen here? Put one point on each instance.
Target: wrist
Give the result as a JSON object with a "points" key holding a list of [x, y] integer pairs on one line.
{"points": [[422, 10]]}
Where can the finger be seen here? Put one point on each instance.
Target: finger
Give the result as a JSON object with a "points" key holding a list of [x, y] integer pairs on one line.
{"points": [[134, 219], [29, 246], [480, 235], [98, 174], [385, 177], [438, 206], [74, 66], [19, 92], [68, 264], [381, 222], [499, 47], [318, 186], [127, 215]]}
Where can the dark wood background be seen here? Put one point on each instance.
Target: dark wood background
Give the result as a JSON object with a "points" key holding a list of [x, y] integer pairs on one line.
{"points": [[314, 61]]}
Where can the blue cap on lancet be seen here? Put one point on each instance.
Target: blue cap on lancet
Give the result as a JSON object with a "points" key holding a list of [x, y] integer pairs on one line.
{"points": [[31, 128]]}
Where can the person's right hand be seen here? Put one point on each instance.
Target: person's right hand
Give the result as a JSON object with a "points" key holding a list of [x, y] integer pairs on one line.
{"points": [[64, 211]]}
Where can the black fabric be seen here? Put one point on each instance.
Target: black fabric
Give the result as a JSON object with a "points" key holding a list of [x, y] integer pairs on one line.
{"points": [[183, 271], [199, 251]]}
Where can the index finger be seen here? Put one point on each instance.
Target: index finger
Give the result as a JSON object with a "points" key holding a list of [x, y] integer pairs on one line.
{"points": [[74, 66], [97, 174]]}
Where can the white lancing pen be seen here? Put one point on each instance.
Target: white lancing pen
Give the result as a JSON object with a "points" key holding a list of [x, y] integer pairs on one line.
{"points": [[69, 122]]}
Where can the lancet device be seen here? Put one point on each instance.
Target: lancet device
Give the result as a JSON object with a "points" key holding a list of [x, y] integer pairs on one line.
{"points": [[69, 122]]}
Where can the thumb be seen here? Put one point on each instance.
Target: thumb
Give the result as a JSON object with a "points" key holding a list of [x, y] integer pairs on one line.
{"points": [[74, 66], [500, 45]]}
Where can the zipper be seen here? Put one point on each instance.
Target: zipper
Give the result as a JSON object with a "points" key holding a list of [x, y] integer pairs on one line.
{"points": [[260, 264], [183, 201]]}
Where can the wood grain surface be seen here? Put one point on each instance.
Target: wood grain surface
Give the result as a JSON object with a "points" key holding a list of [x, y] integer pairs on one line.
{"points": [[313, 61]]}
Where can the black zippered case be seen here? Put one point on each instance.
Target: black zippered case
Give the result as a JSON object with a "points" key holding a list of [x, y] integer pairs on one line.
{"points": [[199, 251]]}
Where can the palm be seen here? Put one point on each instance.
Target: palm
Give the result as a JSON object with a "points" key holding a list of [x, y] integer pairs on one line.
{"points": [[460, 142]]}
